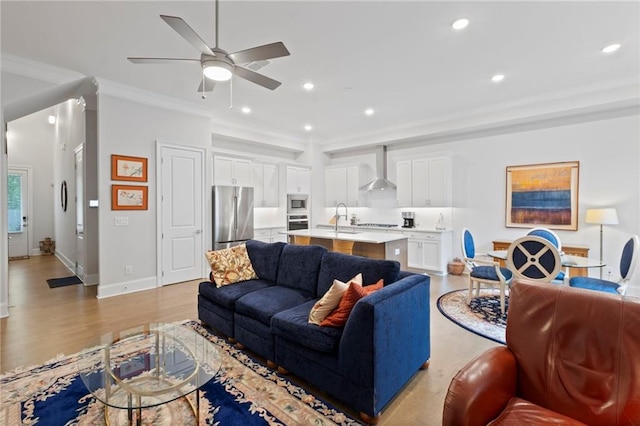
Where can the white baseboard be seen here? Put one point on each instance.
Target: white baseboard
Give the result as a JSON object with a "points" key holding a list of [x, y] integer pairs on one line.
{"points": [[116, 289], [4, 310], [91, 279], [71, 265]]}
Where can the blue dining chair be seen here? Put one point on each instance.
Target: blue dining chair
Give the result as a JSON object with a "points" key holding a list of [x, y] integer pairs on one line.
{"points": [[483, 271], [534, 258], [627, 266], [552, 237]]}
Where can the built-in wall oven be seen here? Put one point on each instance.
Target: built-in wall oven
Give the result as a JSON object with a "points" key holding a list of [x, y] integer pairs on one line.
{"points": [[297, 212]]}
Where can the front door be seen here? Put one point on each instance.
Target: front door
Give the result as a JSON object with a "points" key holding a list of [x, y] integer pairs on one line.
{"points": [[18, 208], [181, 198]]}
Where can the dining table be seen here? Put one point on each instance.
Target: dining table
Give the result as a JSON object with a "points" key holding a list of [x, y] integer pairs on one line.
{"points": [[568, 261]]}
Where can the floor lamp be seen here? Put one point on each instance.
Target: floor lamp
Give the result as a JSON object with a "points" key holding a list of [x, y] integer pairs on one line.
{"points": [[602, 217]]}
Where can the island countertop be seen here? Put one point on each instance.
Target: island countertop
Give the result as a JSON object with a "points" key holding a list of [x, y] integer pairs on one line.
{"points": [[359, 237]]}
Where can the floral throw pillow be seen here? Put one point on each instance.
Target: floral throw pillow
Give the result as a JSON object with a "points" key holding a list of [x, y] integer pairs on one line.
{"points": [[230, 265]]}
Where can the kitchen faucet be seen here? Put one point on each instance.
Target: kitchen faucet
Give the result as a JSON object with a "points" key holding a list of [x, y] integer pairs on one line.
{"points": [[337, 216]]}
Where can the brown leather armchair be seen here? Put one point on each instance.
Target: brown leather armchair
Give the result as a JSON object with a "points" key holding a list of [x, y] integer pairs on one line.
{"points": [[572, 357]]}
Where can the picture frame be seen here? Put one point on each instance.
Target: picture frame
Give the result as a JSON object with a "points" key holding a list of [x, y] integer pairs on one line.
{"points": [[542, 195], [129, 197], [128, 168]]}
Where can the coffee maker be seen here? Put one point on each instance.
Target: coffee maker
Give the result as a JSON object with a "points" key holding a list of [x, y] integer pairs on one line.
{"points": [[408, 219]]}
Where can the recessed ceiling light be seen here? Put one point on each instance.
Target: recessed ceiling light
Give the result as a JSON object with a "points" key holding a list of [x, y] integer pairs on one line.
{"points": [[369, 111], [308, 127], [52, 119], [611, 48], [460, 24], [308, 85], [246, 110], [497, 78]]}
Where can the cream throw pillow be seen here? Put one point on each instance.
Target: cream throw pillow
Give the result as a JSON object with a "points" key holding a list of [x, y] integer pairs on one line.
{"points": [[331, 299], [230, 265]]}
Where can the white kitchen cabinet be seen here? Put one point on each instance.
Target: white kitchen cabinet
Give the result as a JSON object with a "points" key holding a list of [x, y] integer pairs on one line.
{"points": [[231, 171], [270, 235], [298, 180], [265, 184], [342, 185], [429, 250], [424, 182]]}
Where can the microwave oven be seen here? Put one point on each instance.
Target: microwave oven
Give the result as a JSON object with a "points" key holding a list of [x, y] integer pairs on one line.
{"points": [[297, 203]]}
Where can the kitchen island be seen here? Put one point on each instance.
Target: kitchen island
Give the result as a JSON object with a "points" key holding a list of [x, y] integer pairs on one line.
{"points": [[374, 245]]}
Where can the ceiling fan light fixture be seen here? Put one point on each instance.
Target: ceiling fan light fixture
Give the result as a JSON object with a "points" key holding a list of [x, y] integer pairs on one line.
{"points": [[217, 70]]}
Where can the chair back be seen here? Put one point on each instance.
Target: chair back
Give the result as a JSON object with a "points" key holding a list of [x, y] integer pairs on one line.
{"points": [[547, 234], [629, 258], [468, 246], [534, 258], [576, 351]]}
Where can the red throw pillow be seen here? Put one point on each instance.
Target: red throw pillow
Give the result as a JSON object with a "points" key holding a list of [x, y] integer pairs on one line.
{"points": [[338, 317]]}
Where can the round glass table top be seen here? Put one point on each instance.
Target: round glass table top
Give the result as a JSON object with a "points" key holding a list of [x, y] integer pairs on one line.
{"points": [[148, 365]]}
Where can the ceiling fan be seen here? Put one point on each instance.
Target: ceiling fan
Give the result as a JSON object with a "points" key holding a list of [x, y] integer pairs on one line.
{"points": [[216, 63]]}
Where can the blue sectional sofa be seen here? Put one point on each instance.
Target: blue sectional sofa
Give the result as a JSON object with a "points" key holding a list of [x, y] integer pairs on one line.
{"points": [[385, 341]]}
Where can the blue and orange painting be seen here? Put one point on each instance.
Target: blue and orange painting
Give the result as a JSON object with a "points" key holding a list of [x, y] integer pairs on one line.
{"points": [[541, 195]]}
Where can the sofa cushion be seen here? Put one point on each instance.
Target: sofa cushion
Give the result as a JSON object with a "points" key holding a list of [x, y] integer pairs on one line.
{"points": [[339, 316], [522, 412], [265, 303], [231, 265], [265, 258], [227, 295], [299, 266], [330, 300], [292, 324], [343, 266]]}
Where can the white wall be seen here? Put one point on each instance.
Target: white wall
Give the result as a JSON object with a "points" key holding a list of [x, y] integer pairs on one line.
{"points": [[130, 128], [608, 151]]}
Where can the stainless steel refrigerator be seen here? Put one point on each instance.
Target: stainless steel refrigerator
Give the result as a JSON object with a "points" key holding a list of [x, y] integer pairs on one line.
{"points": [[232, 215]]}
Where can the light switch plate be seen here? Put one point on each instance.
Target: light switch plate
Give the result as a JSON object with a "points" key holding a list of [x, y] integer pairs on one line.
{"points": [[121, 221]]}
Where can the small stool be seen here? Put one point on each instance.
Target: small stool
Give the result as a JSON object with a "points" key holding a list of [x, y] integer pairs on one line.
{"points": [[301, 241], [342, 246]]}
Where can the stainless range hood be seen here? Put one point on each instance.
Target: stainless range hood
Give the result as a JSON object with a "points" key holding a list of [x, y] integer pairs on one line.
{"points": [[380, 183]]}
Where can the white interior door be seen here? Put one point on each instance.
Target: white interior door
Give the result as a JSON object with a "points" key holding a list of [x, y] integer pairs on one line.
{"points": [[181, 198], [18, 212]]}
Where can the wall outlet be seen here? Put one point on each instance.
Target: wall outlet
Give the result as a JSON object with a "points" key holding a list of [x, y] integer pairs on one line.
{"points": [[128, 269], [397, 252]]}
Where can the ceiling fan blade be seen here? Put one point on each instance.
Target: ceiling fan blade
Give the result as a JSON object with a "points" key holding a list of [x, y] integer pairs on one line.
{"points": [[209, 85], [182, 28], [254, 77], [159, 60], [267, 51]]}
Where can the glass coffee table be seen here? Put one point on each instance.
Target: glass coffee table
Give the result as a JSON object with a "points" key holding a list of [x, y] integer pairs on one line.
{"points": [[148, 366]]}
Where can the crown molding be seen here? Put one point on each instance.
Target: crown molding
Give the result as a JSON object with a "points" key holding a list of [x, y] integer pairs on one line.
{"points": [[37, 70], [247, 133]]}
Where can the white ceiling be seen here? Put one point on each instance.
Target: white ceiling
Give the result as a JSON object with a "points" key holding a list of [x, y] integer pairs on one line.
{"points": [[401, 58]]}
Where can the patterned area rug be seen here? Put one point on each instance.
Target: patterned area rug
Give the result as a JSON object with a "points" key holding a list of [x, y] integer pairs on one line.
{"points": [[482, 316], [244, 392]]}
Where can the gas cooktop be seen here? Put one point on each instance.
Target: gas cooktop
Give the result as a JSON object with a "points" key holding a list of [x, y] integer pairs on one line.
{"points": [[378, 225]]}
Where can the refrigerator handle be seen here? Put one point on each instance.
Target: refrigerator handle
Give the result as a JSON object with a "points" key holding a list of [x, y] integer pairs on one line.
{"points": [[235, 213]]}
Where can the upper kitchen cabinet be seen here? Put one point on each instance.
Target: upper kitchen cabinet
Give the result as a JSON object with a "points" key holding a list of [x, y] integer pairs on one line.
{"points": [[424, 182], [298, 180], [265, 184], [231, 171], [342, 185]]}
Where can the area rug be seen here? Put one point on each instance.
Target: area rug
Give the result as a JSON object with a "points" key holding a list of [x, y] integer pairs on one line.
{"points": [[64, 281], [244, 392], [482, 316]]}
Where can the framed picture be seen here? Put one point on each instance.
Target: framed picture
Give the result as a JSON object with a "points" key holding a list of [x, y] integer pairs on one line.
{"points": [[128, 168], [128, 197], [543, 195]]}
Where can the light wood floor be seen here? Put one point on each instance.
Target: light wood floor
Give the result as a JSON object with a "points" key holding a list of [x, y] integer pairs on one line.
{"points": [[45, 322]]}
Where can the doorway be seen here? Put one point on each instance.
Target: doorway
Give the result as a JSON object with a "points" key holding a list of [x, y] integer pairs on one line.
{"points": [[18, 204]]}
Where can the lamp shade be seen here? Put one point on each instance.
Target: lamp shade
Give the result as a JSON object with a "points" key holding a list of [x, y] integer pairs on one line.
{"points": [[602, 216]]}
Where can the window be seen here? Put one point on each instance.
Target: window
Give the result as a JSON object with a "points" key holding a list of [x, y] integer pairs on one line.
{"points": [[14, 199]]}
